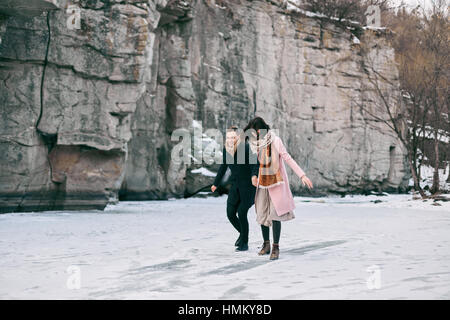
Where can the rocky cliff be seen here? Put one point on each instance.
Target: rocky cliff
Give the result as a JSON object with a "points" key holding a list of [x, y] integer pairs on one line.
{"points": [[91, 91]]}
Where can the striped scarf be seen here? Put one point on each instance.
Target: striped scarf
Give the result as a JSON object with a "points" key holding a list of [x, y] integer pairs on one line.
{"points": [[269, 167]]}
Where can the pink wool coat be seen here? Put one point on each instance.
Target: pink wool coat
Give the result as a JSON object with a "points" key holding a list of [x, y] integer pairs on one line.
{"points": [[281, 195]]}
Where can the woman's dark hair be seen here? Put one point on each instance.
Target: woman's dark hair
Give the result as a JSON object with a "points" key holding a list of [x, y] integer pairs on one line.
{"points": [[256, 124]]}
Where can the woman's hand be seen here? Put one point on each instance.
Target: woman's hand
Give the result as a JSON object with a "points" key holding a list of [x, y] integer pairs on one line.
{"points": [[254, 181], [213, 188], [307, 182]]}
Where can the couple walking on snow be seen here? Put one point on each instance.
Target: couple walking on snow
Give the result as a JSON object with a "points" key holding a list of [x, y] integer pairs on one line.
{"points": [[261, 181]]}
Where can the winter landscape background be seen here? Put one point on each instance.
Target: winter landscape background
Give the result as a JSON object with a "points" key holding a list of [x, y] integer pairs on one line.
{"points": [[91, 200]]}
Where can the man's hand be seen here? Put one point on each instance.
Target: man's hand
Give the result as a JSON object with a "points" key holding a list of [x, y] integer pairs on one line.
{"points": [[254, 181], [307, 182], [213, 188]]}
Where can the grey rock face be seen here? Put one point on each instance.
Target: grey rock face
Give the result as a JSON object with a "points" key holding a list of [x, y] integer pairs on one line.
{"points": [[67, 95], [88, 113], [306, 77]]}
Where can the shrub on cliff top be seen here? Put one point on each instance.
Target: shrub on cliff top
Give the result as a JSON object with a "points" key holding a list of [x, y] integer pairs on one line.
{"points": [[342, 10]]}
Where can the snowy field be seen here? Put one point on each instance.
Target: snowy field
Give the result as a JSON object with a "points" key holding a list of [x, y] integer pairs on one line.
{"points": [[336, 248]]}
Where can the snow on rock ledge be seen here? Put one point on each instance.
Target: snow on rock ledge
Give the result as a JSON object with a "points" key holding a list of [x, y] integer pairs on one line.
{"points": [[27, 8]]}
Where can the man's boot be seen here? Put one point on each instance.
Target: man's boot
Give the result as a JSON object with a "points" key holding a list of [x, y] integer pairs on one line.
{"points": [[242, 247]]}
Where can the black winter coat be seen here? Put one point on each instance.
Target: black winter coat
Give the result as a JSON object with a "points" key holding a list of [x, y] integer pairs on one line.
{"points": [[242, 170]]}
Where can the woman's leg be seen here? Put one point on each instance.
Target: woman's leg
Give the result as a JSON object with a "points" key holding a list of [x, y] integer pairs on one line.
{"points": [[265, 232], [276, 238], [276, 231], [262, 213], [266, 245]]}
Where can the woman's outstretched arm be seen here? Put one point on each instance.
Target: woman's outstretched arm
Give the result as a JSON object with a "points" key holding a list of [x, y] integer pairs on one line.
{"points": [[279, 146]]}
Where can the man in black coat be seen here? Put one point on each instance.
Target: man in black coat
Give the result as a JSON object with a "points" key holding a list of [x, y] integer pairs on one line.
{"points": [[244, 166]]}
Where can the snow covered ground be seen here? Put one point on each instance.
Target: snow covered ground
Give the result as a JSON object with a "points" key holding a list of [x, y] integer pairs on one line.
{"points": [[349, 248], [426, 173]]}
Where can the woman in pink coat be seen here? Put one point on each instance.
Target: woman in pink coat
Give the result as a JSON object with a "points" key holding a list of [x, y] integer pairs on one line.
{"points": [[273, 200]]}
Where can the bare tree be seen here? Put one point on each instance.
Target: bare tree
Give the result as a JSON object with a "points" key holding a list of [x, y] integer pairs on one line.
{"points": [[422, 51], [435, 39], [389, 108], [344, 10]]}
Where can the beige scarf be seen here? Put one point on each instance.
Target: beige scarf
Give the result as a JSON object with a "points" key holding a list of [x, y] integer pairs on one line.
{"points": [[269, 167]]}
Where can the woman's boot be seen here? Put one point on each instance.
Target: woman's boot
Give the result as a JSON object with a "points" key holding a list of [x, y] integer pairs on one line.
{"points": [[275, 252], [265, 248]]}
